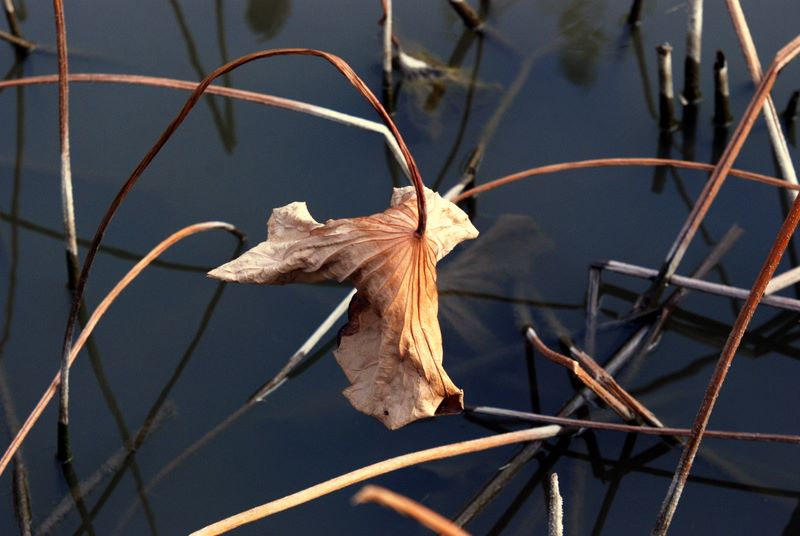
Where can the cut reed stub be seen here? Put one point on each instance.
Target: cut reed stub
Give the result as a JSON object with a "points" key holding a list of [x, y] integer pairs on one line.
{"points": [[666, 95], [691, 67], [722, 110]]}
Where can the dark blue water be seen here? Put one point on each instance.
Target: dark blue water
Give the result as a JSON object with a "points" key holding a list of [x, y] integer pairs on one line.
{"points": [[180, 346]]}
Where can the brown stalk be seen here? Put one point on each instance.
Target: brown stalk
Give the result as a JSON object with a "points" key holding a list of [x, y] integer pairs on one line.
{"points": [[336, 61], [249, 96], [611, 385], [723, 167], [616, 162], [95, 318], [619, 407], [68, 209], [19, 42], [377, 469], [770, 113], [407, 507], [720, 372], [785, 233], [638, 429]]}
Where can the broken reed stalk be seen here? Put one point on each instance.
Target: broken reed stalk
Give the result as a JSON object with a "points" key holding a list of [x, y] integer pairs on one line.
{"points": [[15, 37], [467, 14], [377, 469], [784, 56], [68, 210], [555, 517], [723, 365], [770, 113], [631, 428], [781, 302], [22, 45], [722, 92], [510, 469], [248, 96], [694, 39], [572, 365], [334, 60], [723, 167], [616, 162], [407, 507], [95, 318], [387, 51], [666, 95]]}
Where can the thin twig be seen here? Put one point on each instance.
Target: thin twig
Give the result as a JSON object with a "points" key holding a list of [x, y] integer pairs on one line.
{"points": [[377, 469], [632, 428], [740, 326], [407, 507], [19, 42], [572, 365], [616, 162], [467, 14], [770, 113], [780, 302], [95, 318], [723, 167], [249, 96], [555, 518], [68, 209]]}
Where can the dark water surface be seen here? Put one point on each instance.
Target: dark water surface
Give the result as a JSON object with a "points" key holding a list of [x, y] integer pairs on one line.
{"points": [[182, 347]]}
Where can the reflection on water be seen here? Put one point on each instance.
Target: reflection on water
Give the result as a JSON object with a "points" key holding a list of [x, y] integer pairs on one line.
{"points": [[266, 17], [580, 24]]}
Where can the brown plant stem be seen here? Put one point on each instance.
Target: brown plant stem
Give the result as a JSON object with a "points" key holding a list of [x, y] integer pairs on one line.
{"points": [[632, 428], [68, 209], [95, 318], [616, 162], [770, 113], [334, 60], [248, 96], [467, 14], [723, 365], [405, 506], [723, 167], [377, 469], [572, 365]]}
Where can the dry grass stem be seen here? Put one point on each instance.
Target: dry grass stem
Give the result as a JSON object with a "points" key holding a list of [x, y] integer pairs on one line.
{"points": [[619, 407], [19, 42], [781, 302], [377, 469], [616, 162], [405, 506], [723, 167], [743, 319], [95, 318], [68, 213], [467, 14], [632, 428], [337, 62], [770, 113], [240, 94], [555, 518]]}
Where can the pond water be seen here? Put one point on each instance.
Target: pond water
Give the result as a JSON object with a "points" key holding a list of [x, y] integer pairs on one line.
{"points": [[556, 81]]}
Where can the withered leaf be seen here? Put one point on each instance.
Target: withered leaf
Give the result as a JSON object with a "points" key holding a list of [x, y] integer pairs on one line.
{"points": [[391, 347]]}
